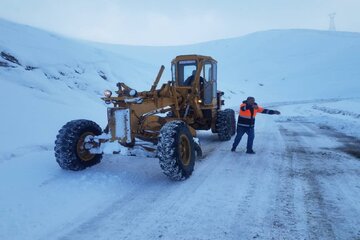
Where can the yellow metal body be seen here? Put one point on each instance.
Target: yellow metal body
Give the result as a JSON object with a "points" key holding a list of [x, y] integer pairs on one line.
{"points": [[149, 110]]}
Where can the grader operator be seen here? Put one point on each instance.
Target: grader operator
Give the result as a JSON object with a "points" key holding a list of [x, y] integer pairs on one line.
{"points": [[161, 122]]}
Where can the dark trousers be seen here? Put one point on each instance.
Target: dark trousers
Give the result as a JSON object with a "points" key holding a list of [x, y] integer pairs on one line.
{"points": [[240, 132]]}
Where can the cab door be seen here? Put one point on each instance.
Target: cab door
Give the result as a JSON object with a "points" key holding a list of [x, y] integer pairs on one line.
{"points": [[208, 85]]}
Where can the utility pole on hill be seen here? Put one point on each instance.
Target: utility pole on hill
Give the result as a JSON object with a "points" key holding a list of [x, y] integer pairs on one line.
{"points": [[332, 22]]}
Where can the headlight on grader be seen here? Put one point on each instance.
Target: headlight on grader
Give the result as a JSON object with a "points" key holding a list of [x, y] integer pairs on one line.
{"points": [[133, 93], [107, 93]]}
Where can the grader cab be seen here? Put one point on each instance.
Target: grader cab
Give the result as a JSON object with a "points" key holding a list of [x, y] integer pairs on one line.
{"points": [[159, 122]]}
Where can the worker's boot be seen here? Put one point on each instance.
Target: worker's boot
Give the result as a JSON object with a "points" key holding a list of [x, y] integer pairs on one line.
{"points": [[233, 149], [250, 151]]}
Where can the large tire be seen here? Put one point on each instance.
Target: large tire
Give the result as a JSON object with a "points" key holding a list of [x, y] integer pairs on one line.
{"points": [[231, 113], [69, 148], [176, 150], [223, 125]]}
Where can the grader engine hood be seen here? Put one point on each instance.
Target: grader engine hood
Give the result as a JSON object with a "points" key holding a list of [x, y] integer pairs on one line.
{"points": [[120, 124]]}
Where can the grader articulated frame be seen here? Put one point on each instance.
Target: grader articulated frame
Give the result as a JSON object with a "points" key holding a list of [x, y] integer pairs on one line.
{"points": [[161, 121]]}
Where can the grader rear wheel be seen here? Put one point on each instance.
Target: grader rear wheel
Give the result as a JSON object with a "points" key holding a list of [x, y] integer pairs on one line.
{"points": [[231, 113], [223, 125], [176, 150]]}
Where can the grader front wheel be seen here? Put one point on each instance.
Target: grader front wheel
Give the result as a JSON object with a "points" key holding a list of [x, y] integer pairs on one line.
{"points": [[70, 151], [176, 150]]}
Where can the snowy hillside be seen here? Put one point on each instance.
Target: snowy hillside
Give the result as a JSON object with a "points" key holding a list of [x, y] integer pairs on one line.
{"points": [[47, 80], [278, 65], [44, 74]]}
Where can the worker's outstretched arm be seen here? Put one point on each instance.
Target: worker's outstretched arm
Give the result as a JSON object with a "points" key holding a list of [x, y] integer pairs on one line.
{"points": [[267, 111], [271, 112]]}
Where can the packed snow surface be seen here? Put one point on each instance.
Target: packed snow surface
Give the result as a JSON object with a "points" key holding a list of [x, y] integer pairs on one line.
{"points": [[302, 183]]}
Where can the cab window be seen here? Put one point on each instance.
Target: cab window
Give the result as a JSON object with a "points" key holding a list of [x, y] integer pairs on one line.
{"points": [[207, 72], [208, 85], [186, 72], [214, 76]]}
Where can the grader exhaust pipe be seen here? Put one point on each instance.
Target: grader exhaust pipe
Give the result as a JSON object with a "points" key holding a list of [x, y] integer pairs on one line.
{"points": [[153, 87]]}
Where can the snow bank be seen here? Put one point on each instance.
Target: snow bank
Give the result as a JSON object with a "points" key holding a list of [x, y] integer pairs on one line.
{"points": [[342, 115]]}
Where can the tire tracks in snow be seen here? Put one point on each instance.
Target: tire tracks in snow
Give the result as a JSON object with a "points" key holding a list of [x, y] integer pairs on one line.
{"points": [[148, 196], [318, 211], [252, 219], [282, 216], [279, 193], [23, 151]]}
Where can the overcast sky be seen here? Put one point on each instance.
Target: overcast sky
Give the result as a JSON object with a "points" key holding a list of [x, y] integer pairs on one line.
{"points": [[174, 22]]}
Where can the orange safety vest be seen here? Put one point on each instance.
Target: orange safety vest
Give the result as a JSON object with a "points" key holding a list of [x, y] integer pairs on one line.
{"points": [[247, 116], [247, 112]]}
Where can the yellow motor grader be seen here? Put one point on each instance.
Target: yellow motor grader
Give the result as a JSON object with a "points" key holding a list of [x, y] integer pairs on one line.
{"points": [[159, 122]]}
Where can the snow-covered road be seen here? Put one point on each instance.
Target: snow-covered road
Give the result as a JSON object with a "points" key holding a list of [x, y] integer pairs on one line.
{"points": [[303, 183]]}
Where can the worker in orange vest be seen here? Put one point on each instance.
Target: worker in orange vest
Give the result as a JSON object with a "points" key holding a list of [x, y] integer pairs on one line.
{"points": [[246, 122]]}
